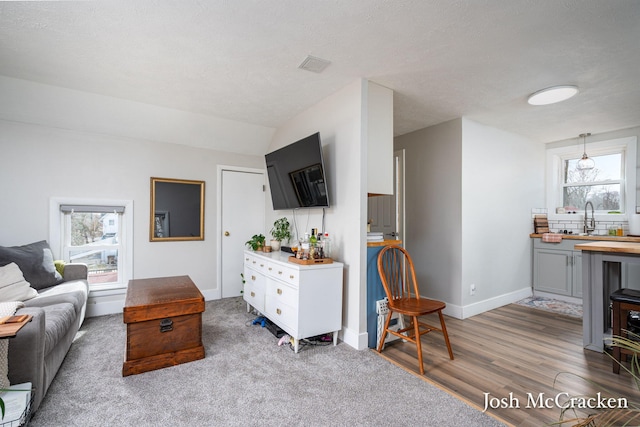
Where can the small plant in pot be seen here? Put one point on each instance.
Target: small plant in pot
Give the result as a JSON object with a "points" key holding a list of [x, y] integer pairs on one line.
{"points": [[256, 243], [279, 232]]}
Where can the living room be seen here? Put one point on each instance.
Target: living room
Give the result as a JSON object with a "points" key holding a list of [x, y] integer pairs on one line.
{"points": [[62, 142]]}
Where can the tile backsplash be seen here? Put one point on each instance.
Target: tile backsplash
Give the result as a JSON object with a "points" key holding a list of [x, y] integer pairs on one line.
{"points": [[576, 226]]}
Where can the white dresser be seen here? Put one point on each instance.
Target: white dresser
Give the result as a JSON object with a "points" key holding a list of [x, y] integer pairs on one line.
{"points": [[303, 300]]}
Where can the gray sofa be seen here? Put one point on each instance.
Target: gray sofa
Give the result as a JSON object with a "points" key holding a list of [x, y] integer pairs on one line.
{"points": [[38, 350]]}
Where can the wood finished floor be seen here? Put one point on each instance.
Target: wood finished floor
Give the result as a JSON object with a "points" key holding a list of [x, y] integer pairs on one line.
{"points": [[519, 350]]}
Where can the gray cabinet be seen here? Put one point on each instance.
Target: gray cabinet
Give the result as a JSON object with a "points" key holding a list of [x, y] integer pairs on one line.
{"points": [[557, 268]]}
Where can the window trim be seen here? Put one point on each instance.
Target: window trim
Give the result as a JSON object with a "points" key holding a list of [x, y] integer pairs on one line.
{"points": [[554, 164], [56, 227]]}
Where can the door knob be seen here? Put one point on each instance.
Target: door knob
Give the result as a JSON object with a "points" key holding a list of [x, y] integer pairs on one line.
{"points": [[226, 233]]}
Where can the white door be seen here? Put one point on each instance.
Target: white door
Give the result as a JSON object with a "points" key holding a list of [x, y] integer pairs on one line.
{"points": [[242, 207], [386, 213]]}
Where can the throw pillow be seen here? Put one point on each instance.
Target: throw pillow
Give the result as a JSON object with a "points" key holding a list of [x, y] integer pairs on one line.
{"points": [[59, 266], [13, 287], [36, 262]]}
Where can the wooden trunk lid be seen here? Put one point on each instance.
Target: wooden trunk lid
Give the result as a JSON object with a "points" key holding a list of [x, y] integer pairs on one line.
{"points": [[162, 297]]}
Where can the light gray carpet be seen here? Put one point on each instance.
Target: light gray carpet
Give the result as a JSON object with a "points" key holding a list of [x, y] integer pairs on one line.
{"points": [[246, 379]]}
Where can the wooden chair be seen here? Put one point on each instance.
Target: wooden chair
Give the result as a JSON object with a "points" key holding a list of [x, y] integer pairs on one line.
{"points": [[399, 280]]}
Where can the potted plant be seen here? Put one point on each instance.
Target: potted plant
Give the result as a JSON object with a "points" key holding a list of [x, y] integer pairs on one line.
{"points": [[280, 232], [256, 242]]}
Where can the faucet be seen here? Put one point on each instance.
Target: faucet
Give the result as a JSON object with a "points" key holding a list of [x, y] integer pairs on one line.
{"points": [[589, 224]]}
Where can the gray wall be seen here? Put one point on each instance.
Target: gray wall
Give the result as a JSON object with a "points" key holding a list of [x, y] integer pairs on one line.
{"points": [[433, 207], [469, 193]]}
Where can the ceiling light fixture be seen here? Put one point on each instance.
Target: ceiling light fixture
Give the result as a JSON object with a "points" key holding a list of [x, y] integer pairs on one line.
{"points": [[585, 163], [551, 95]]}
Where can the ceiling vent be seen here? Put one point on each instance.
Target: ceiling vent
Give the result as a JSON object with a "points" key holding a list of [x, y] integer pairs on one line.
{"points": [[313, 64]]}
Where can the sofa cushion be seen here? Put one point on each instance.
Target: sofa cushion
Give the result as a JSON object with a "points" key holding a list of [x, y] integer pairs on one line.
{"points": [[58, 320], [36, 262], [74, 292], [13, 287]]}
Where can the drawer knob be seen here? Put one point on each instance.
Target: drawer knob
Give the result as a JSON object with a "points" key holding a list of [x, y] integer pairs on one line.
{"points": [[279, 291], [261, 265], [253, 294], [279, 272], [253, 278], [270, 268], [254, 262], [291, 277], [278, 311]]}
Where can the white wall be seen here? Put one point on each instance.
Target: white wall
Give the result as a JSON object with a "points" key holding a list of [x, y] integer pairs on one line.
{"points": [[338, 118], [43, 157], [502, 179]]}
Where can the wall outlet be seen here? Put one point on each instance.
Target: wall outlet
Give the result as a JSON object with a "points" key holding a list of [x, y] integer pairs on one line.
{"points": [[472, 289]]}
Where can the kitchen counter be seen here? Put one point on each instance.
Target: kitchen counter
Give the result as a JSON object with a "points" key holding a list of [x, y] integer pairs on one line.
{"points": [[607, 238], [375, 290], [596, 286], [393, 242], [606, 246]]}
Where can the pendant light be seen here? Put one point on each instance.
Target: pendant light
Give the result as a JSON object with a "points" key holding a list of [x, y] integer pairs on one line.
{"points": [[585, 163]]}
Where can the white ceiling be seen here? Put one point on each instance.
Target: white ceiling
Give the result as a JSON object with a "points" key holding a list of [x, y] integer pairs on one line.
{"points": [[444, 59]]}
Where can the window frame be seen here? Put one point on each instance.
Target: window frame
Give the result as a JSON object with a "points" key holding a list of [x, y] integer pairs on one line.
{"points": [[57, 221], [555, 181]]}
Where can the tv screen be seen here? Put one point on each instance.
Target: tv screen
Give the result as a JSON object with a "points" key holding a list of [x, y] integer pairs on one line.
{"points": [[297, 176]]}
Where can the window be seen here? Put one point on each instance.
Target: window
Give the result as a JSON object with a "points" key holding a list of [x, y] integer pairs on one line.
{"points": [[609, 186], [95, 234], [603, 185]]}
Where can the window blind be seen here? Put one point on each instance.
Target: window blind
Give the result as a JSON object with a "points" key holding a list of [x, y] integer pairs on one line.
{"points": [[91, 208]]}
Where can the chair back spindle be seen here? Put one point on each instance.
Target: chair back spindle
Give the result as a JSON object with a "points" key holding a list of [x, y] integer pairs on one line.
{"points": [[398, 275]]}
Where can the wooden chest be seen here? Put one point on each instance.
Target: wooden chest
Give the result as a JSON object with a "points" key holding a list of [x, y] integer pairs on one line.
{"points": [[164, 323]]}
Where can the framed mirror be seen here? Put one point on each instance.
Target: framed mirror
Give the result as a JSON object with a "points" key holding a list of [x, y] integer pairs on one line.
{"points": [[177, 210]]}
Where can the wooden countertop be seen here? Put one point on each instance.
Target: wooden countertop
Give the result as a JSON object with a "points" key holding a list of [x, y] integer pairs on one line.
{"points": [[390, 242], [10, 325], [604, 246], [629, 239]]}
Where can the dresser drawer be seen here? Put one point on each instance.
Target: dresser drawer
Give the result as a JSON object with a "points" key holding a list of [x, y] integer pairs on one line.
{"points": [[282, 292], [282, 314], [255, 262], [286, 274], [254, 288]]}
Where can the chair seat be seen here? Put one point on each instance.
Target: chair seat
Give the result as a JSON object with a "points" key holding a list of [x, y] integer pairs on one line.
{"points": [[416, 307], [626, 295]]}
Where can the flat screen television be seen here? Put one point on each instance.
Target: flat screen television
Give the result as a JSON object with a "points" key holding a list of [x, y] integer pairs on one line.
{"points": [[297, 176]]}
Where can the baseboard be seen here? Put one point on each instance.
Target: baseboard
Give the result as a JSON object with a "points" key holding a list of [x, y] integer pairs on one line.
{"points": [[210, 294], [103, 303], [98, 307], [463, 312], [353, 339]]}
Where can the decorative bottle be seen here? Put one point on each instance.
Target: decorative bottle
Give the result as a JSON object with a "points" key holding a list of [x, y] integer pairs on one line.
{"points": [[326, 246], [313, 241], [319, 246], [305, 246]]}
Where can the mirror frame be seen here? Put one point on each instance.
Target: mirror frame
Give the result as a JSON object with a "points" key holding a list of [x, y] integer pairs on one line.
{"points": [[152, 218]]}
